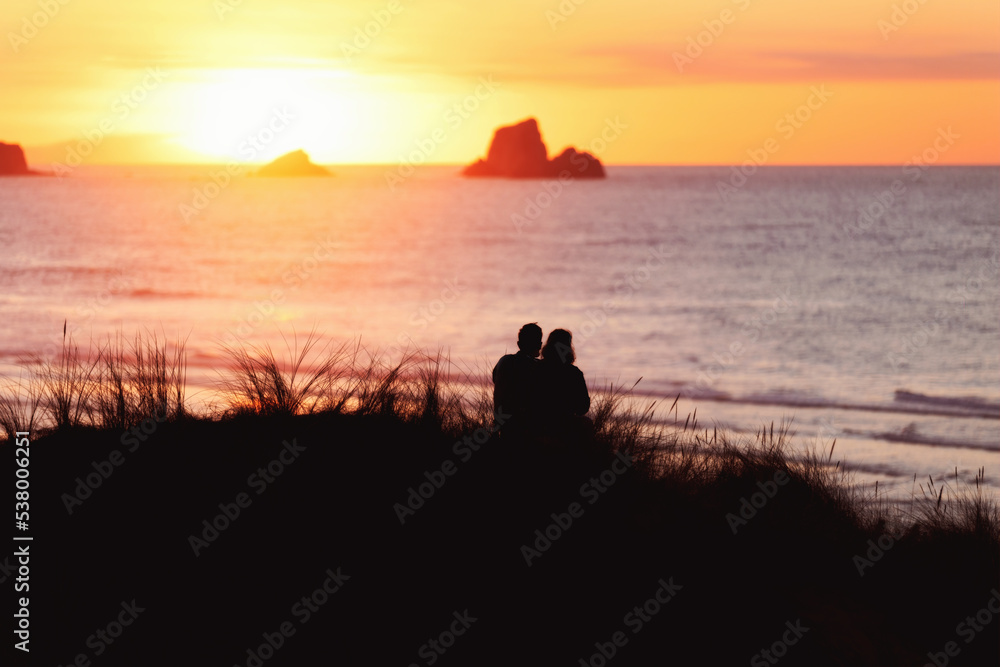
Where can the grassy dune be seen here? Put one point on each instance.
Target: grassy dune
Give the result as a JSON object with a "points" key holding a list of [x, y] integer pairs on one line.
{"points": [[382, 481]]}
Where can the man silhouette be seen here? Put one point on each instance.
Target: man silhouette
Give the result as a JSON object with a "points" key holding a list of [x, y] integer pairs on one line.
{"points": [[515, 377]]}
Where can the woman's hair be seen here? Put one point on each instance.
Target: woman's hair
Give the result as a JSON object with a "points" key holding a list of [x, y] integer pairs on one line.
{"points": [[559, 346]]}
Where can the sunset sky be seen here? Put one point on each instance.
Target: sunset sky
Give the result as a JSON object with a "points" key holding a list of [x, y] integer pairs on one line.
{"points": [[247, 80]]}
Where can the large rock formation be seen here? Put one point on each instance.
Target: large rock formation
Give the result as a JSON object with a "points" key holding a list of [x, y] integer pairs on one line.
{"points": [[12, 162], [517, 151], [296, 163]]}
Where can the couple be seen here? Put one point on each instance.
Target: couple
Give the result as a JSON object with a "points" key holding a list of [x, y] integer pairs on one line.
{"points": [[546, 396]]}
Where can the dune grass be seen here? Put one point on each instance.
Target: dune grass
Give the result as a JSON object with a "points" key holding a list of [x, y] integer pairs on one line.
{"points": [[118, 382], [20, 405], [382, 421], [259, 382], [68, 384], [313, 378], [136, 379], [111, 384]]}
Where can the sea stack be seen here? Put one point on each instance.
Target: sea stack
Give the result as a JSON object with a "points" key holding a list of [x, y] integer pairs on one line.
{"points": [[296, 163], [517, 151], [12, 162]]}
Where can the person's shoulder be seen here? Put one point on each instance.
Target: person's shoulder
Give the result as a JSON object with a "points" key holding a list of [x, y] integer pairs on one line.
{"points": [[508, 360], [502, 362]]}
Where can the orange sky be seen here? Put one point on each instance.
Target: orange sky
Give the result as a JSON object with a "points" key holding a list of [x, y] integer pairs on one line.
{"points": [[637, 82]]}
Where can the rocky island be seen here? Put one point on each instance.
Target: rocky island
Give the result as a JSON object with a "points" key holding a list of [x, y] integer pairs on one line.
{"points": [[517, 151], [12, 162], [296, 163]]}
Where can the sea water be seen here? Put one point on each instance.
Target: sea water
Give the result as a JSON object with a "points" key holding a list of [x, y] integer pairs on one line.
{"points": [[859, 303]]}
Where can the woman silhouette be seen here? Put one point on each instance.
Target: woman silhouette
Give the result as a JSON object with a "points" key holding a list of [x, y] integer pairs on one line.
{"points": [[564, 398]]}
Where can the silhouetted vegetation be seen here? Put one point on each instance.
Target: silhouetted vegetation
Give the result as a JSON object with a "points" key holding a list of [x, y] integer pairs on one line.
{"points": [[399, 481]]}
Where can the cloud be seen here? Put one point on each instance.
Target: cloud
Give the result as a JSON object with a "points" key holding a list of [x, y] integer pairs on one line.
{"points": [[655, 65], [637, 65]]}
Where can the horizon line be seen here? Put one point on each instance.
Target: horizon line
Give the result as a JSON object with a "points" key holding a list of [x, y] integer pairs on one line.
{"points": [[41, 165]]}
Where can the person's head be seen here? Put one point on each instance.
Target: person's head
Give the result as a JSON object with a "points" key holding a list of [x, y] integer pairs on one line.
{"points": [[529, 339], [559, 347]]}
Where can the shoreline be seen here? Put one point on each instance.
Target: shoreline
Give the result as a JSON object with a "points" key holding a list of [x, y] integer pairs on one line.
{"points": [[872, 457]]}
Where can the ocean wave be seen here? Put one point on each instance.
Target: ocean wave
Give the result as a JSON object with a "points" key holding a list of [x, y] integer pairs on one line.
{"points": [[909, 435], [925, 405], [799, 224], [973, 403]]}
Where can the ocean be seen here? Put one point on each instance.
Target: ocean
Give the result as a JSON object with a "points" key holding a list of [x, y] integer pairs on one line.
{"points": [[860, 304]]}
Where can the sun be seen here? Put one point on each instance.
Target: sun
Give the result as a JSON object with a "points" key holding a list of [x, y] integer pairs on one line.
{"points": [[256, 115]]}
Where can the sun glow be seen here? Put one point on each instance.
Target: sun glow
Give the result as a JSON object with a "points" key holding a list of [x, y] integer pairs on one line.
{"points": [[255, 115], [357, 89]]}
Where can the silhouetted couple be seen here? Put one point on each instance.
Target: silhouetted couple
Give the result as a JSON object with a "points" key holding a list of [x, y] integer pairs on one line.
{"points": [[546, 397]]}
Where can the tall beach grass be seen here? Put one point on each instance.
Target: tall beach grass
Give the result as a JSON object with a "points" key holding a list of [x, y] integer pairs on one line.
{"points": [[117, 382]]}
